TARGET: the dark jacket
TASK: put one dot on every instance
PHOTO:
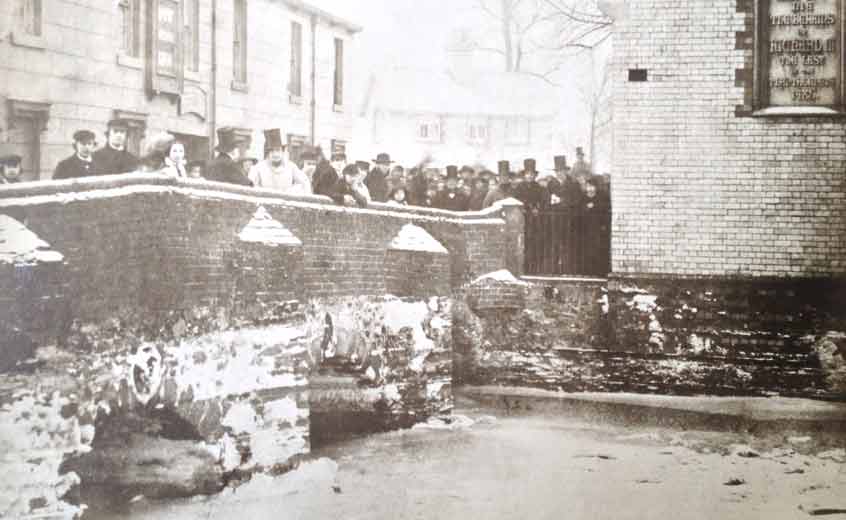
(453, 200)
(324, 179)
(477, 200)
(224, 169)
(531, 194)
(73, 167)
(377, 184)
(108, 161)
(498, 193)
(340, 189)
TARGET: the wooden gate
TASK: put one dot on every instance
(568, 240)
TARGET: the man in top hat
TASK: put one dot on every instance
(10, 169)
(113, 157)
(277, 171)
(503, 189)
(480, 190)
(81, 163)
(530, 193)
(568, 190)
(581, 168)
(377, 178)
(451, 198)
(225, 167)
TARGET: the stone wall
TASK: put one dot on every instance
(201, 313)
(700, 187)
(663, 336)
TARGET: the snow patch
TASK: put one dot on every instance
(19, 245)
(264, 229)
(415, 238)
(503, 275)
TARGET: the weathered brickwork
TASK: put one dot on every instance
(163, 245)
(699, 188)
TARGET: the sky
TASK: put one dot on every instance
(415, 34)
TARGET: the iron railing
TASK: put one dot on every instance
(568, 240)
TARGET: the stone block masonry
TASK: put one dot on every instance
(237, 324)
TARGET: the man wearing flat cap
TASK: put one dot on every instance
(225, 167)
(377, 178)
(81, 163)
(10, 169)
(277, 171)
(113, 157)
(328, 173)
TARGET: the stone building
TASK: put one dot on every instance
(459, 120)
(183, 66)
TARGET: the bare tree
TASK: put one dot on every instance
(596, 94)
(537, 37)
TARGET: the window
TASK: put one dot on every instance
(130, 15)
(339, 72)
(239, 42)
(296, 83)
(28, 17)
(296, 144)
(429, 131)
(799, 61)
(477, 132)
(27, 121)
(339, 146)
(517, 130)
(191, 35)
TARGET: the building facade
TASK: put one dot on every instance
(182, 66)
(730, 151)
(415, 114)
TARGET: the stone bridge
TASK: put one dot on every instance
(244, 327)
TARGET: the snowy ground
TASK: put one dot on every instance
(538, 466)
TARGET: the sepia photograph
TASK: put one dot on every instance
(422, 259)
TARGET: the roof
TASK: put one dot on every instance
(482, 94)
(311, 7)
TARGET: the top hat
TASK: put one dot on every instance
(560, 162)
(227, 138)
(273, 139)
(468, 169)
(452, 171)
(382, 158)
(84, 136)
(117, 123)
(503, 167)
(11, 159)
(529, 165)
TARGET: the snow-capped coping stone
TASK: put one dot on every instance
(503, 276)
(415, 238)
(264, 229)
(19, 245)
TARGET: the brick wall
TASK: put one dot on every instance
(698, 189)
(152, 245)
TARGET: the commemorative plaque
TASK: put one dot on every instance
(804, 53)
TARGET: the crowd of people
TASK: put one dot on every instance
(468, 188)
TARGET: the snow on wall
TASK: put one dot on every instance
(264, 229)
(19, 245)
(415, 238)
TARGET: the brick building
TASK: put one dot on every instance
(719, 169)
(183, 66)
(729, 167)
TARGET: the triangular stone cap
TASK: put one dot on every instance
(415, 238)
(502, 276)
(264, 229)
(19, 245)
